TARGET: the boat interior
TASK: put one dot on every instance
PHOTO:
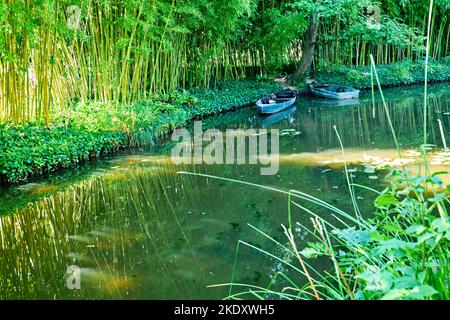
(278, 97)
(335, 88)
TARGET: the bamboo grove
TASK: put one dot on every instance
(387, 40)
(56, 53)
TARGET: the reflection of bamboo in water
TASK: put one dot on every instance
(310, 128)
(38, 243)
(355, 123)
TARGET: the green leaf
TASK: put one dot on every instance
(376, 236)
(314, 249)
(406, 282)
(425, 237)
(310, 253)
(415, 229)
(355, 236)
(441, 225)
(395, 294)
(385, 200)
(422, 292)
(392, 244)
(439, 172)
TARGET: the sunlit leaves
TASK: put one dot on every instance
(385, 200)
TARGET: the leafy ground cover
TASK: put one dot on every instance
(395, 74)
(91, 129)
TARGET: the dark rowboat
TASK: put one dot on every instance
(276, 102)
(334, 92)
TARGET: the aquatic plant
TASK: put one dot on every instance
(402, 252)
(399, 253)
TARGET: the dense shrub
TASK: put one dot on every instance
(90, 129)
(229, 94)
(402, 252)
(34, 149)
(395, 74)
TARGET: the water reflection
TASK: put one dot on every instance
(137, 229)
(277, 117)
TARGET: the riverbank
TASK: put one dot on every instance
(129, 200)
(390, 75)
(89, 130)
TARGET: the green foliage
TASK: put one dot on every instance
(119, 51)
(277, 30)
(230, 94)
(404, 254)
(401, 251)
(32, 149)
(125, 51)
(395, 74)
(90, 129)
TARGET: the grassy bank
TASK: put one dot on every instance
(88, 130)
(395, 74)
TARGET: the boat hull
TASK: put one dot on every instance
(334, 102)
(274, 107)
(324, 93)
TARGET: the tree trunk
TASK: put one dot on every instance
(309, 42)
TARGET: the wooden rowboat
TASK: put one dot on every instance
(276, 102)
(334, 92)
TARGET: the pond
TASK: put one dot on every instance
(137, 228)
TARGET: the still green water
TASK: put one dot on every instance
(138, 229)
